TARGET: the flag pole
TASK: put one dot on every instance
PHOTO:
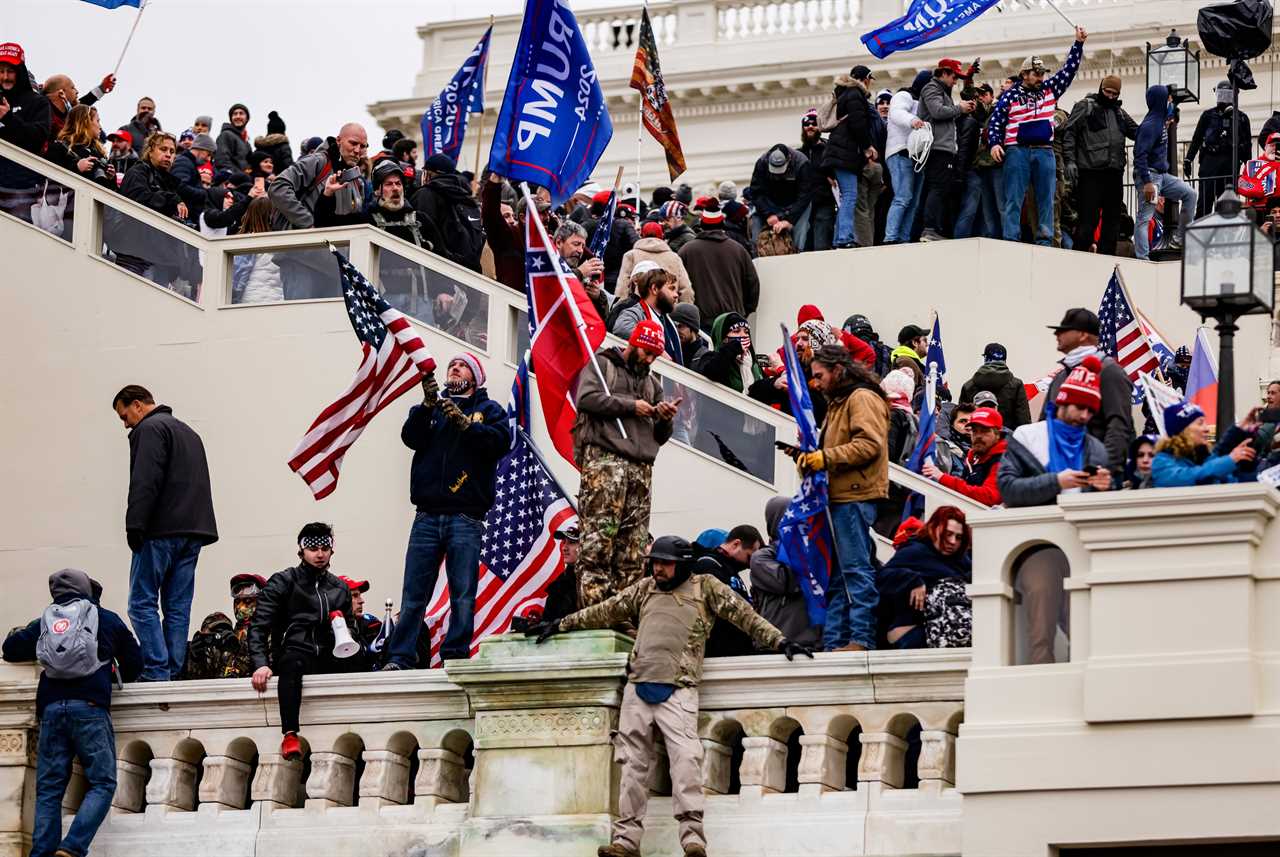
(484, 87)
(1070, 23)
(1137, 312)
(141, 8)
(531, 208)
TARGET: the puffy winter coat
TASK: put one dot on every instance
(1010, 392)
(233, 149)
(1024, 481)
(1095, 134)
(723, 276)
(28, 123)
(453, 471)
(849, 140)
(297, 195)
(659, 251)
(293, 614)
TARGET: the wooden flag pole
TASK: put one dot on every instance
(484, 87)
(142, 8)
(617, 180)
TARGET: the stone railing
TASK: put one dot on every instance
(762, 19)
(510, 753)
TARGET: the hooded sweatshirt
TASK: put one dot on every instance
(1151, 149)
(725, 363)
(902, 112)
(27, 125)
(115, 643)
(774, 589)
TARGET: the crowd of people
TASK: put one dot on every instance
(676, 280)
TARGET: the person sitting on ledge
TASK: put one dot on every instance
(294, 621)
(1183, 458)
(674, 610)
(922, 598)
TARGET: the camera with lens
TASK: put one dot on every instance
(101, 167)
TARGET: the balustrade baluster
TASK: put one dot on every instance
(277, 781)
(224, 782)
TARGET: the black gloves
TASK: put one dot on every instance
(791, 649)
(454, 415)
(546, 630)
(134, 538)
(430, 390)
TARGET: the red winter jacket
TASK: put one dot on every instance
(981, 484)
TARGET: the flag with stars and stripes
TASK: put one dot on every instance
(393, 360)
(600, 238)
(1121, 336)
(805, 538)
(519, 554)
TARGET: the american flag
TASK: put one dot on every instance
(518, 555)
(805, 540)
(389, 366)
(565, 327)
(1121, 335)
(600, 238)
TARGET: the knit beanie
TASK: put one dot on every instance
(473, 363)
(234, 107)
(727, 191)
(652, 229)
(1111, 81)
(807, 312)
(647, 334)
(711, 213)
(1179, 415)
(275, 125)
(1082, 387)
(819, 333)
(899, 386)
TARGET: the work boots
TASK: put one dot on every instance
(695, 851)
(615, 850)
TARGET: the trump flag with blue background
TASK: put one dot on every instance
(805, 538)
(925, 21)
(444, 124)
(553, 126)
(115, 4)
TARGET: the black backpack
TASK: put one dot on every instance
(463, 235)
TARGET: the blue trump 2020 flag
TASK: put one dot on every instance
(115, 4)
(444, 124)
(805, 543)
(925, 21)
(553, 126)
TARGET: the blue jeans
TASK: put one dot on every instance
(848, 182)
(71, 729)
(455, 539)
(162, 576)
(981, 194)
(851, 603)
(1025, 165)
(1170, 188)
(906, 198)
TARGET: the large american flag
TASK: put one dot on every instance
(1121, 335)
(389, 366)
(519, 557)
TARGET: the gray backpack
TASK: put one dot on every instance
(68, 644)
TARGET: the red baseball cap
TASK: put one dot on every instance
(121, 135)
(354, 585)
(11, 54)
(647, 334)
(988, 417)
(601, 197)
(950, 65)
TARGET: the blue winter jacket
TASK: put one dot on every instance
(454, 471)
(1171, 471)
(1151, 148)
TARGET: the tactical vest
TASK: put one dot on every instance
(409, 222)
(666, 620)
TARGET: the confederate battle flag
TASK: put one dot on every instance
(655, 109)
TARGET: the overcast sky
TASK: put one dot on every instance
(316, 62)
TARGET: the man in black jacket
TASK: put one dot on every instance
(1112, 423)
(822, 214)
(446, 202)
(783, 184)
(75, 722)
(292, 626)
(1094, 157)
(725, 563)
(169, 519)
(457, 441)
(1212, 142)
(24, 113)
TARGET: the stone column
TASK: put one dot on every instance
(716, 761)
(225, 782)
(822, 764)
(545, 784)
(131, 787)
(332, 780)
(172, 785)
(442, 778)
(764, 766)
(17, 789)
(277, 782)
(386, 778)
(881, 759)
(937, 766)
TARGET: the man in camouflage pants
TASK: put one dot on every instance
(674, 610)
(621, 423)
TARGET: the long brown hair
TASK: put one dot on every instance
(78, 129)
(257, 217)
(937, 524)
(153, 143)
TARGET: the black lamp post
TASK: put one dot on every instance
(1176, 66)
(1228, 271)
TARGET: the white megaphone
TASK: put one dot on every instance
(344, 646)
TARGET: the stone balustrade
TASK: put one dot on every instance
(511, 753)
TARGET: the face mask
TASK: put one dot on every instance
(244, 609)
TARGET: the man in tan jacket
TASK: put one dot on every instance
(855, 454)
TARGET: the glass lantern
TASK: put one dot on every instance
(1175, 65)
(1228, 264)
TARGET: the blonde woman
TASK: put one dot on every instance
(1184, 458)
(77, 147)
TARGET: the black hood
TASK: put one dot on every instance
(451, 186)
(69, 583)
(21, 86)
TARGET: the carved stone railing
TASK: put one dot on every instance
(510, 753)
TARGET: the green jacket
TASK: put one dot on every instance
(715, 600)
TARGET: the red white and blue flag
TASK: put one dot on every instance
(600, 238)
(1121, 335)
(1202, 378)
(805, 539)
(565, 331)
(519, 555)
(393, 360)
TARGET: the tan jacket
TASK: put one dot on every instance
(655, 250)
(855, 444)
(600, 406)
